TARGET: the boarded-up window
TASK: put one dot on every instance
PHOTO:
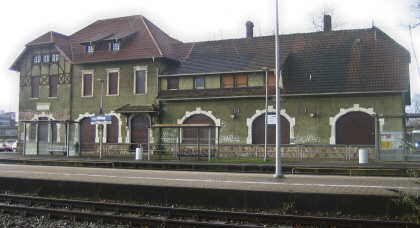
(241, 80)
(173, 83)
(271, 79)
(53, 85)
(113, 83)
(35, 87)
(198, 135)
(87, 85)
(228, 81)
(140, 82)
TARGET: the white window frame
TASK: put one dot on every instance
(116, 47)
(55, 57)
(108, 71)
(139, 68)
(89, 50)
(37, 59)
(45, 58)
(83, 81)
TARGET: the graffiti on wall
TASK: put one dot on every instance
(229, 139)
(169, 136)
(307, 139)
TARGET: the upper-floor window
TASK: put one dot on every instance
(234, 80)
(87, 83)
(115, 46)
(46, 58)
(55, 57)
(37, 58)
(113, 81)
(35, 87)
(199, 82)
(140, 79)
(89, 48)
(173, 83)
(53, 85)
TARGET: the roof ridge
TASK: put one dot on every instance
(151, 35)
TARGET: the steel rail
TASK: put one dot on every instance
(170, 212)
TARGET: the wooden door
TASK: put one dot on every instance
(87, 134)
(357, 128)
(139, 131)
(258, 131)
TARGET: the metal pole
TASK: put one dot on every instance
(209, 144)
(266, 113)
(278, 173)
(101, 126)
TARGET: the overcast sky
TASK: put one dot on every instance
(191, 20)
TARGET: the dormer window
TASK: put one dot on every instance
(115, 46)
(89, 48)
(37, 58)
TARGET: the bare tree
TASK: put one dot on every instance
(415, 10)
(317, 18)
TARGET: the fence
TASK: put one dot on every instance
(288, 151)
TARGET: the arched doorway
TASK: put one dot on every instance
(355, 128)
(139, 131)
(189, 135)
(258, 131)
(87, 134)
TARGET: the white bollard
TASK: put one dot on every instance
(363, 156)
(139, 153)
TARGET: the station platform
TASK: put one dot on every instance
(172, 182)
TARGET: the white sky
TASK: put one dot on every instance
(190, 20)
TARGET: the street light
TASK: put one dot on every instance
(266, 111)
(101, 112)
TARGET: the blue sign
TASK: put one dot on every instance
(100, 119)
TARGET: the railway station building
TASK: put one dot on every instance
(334, 82)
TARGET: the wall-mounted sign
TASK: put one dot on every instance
(100, 120)
(271, 119)
(43, 106)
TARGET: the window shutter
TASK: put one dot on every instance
(140, 82)
(228, 81)
(173, 83)
(87, 85)
(35, 87)
(53, 85)
(242, 80)
(113, 83)
(271, 79)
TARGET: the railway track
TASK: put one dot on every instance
(171, 217)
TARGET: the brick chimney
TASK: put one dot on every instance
(249, 30)
(327, 23)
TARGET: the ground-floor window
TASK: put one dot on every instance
(192, 135)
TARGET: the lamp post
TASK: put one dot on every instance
(101, 112)
(266, 112)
